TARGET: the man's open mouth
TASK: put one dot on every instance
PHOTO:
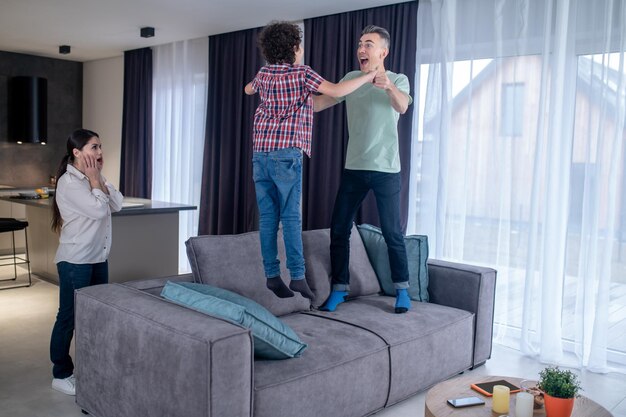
(363, 61)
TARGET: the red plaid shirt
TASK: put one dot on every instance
(285, 116)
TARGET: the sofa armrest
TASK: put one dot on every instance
(470, 288)
(155, 285)
(140, 355)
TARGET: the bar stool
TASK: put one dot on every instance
(13, 225)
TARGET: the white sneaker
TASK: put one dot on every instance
(66, 385)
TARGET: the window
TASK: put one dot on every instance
(512, 109)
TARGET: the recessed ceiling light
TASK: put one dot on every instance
(147, 32)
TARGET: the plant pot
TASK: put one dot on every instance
(558, 407)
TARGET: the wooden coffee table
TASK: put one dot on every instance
(437, 400)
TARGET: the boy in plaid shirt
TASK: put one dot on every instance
(282, 132)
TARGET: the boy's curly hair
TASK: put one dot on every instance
(277, 42)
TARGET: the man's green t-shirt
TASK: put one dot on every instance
(373, 126)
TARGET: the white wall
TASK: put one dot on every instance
(103, 96)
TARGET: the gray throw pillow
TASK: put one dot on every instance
(417, 255)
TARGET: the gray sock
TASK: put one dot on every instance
(278, 287)
(302, 287)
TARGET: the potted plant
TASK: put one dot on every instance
(559, 389)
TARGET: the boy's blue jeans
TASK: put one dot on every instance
(354, 187)
(278, 184)
(71, 277)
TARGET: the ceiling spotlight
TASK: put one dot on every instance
(147, 32)
(64, 49)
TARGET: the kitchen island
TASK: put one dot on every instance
(145, 238)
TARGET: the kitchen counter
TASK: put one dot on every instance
(131, 206)
(8, 190)
(144, 238)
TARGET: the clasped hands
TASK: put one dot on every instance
(381, 80)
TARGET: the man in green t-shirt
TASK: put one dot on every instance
(372, 163)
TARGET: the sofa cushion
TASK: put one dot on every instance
(272, 338)
(417, 255)
(427, 344)
(316, 244)
(344, 372)
(233, 262)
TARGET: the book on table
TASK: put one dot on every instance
(486, 388)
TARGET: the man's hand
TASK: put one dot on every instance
(399, 100)
(382, 81)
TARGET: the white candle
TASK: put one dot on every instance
(501, 399)
(524, 403)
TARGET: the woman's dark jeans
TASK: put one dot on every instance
(354, 187)
(71, 278)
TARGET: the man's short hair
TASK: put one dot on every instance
(382, 32)
(278, 41)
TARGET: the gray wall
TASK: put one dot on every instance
(33, 164)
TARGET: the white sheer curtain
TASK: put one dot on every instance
(519, 164)
(180, 81)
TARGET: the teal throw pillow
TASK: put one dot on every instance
(417, 255)
(273, 339)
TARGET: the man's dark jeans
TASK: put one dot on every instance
(353, 188)
(71, 277)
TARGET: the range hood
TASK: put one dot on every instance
(28, 110)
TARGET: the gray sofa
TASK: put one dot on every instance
(138, 354)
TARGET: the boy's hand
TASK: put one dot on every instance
(248, 89)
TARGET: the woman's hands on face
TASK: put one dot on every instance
(92, 170)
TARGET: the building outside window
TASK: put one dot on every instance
(512, 109)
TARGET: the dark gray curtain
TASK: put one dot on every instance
(136, 161)
(228, 202)
(330, 49)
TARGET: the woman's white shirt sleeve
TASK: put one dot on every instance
(115, 197)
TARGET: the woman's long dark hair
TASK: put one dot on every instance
(77, 140)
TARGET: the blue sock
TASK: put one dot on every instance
(335, 298)
(403, 302)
